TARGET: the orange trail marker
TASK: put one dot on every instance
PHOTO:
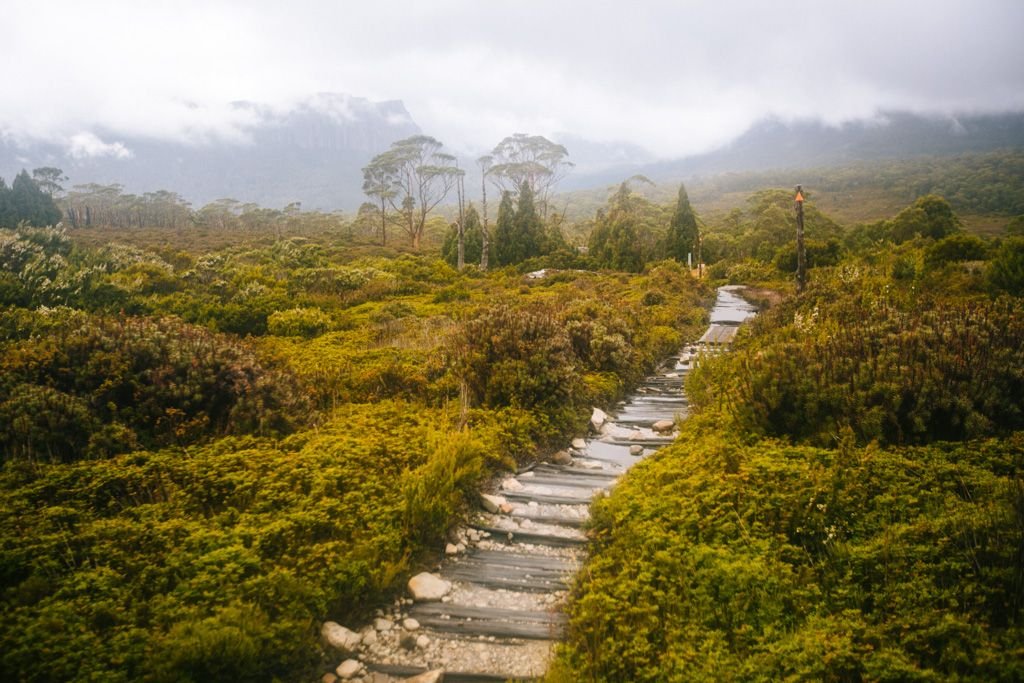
(799, 196)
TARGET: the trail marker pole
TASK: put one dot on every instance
(801, 256)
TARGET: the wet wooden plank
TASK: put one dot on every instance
(524, 560)
(436, 609)
(527, 537)
(719, 334)
(547, 498)
(403, 671)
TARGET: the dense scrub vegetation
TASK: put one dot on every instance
(209, 448)
(205, 455)
(846, 501)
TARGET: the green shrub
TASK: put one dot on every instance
(299, 322)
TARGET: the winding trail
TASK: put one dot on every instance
(510, 568)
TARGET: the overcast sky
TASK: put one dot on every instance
(675, 77)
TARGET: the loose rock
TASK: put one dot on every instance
(636, 449)
(561, 458)
(512, 484)
(382, 624)
(410, 624)
(579, 444)
(663, 426)
(343, 640)
(451, 549)
(434, 676)
(598, 418)
(426, 587)
(348, 669)
(329, 677)
(491, 502)
(422, 642)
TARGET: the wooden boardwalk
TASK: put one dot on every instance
(503, 615)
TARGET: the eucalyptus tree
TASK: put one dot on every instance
(530, 159)
(412, 177)
(377, 185)
(49, 179)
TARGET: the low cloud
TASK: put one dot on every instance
(87, 145)
(675, 78)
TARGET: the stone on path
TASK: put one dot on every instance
(348, 669)
(579, 444)
(561, 458)
(492, 503)
(598, 418)
(434, 676)
(410, 624)
(663, 426)
(343, 640)
(382, 624)
(512, 484)
(426, 587)
(451, 549)
(636, 449)
(329, 677)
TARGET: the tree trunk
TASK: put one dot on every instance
(487, 231)
(460, 192)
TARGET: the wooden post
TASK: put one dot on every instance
(801, 256)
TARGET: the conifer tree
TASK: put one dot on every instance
(681, 238)
(504, 232)
(528, 229)
(473, 239)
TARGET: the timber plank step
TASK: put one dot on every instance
(527, 537)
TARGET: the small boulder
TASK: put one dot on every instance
(410, 624)
(343, 640)
(422, 642)
(663, 426)
(434, 676)
(348, 669)
(382, 624)
(451, 549)
(636, 449)
(491, 503)
(579, 444)
(329, 677)
(370, 638)
(507, 508)
(598, 418)
(427, 587)
(512, 484)
(562, 458)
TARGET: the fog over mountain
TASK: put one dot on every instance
(314, 153)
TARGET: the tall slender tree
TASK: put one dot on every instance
(504, 231)
(528, 231)
(532, 159)
(418, 176)
(682, 234)
(485, 162)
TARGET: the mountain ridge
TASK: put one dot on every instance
(313, 152)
